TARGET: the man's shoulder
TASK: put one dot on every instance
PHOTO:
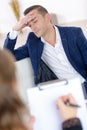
(73, 28)
(32, 36)
(69, 30)
(32, 39)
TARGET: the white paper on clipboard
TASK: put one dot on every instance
(42, 103)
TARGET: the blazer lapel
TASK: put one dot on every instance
(64, 42)
(66, 45)
(35, 51)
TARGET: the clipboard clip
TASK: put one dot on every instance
(52, 83)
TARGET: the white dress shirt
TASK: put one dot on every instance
(57, 60)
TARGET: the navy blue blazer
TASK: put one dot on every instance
(73, 41)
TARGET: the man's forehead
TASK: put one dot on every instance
(33, 12)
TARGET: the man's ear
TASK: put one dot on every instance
(31, 123)
(48, 17)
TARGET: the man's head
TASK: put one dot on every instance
(7, 68)
(38, 19)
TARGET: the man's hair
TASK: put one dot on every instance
(39, 8)
(7, 68)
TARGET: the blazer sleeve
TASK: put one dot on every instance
(72, 124)
(19, 53)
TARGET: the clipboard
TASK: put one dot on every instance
(42, 103)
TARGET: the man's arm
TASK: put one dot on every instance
(10, 41)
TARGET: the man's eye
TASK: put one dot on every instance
(29, 25)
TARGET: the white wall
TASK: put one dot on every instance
(66, 10)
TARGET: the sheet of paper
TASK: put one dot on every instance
(43, 104)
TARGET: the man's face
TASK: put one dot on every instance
(38, 23)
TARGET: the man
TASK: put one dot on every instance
(55, 52)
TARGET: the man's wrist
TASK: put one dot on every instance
(13, 34)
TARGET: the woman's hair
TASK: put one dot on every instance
(7, 68)
(13, 112)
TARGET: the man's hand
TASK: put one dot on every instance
(24, 22)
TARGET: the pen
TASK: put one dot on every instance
(72, 105)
